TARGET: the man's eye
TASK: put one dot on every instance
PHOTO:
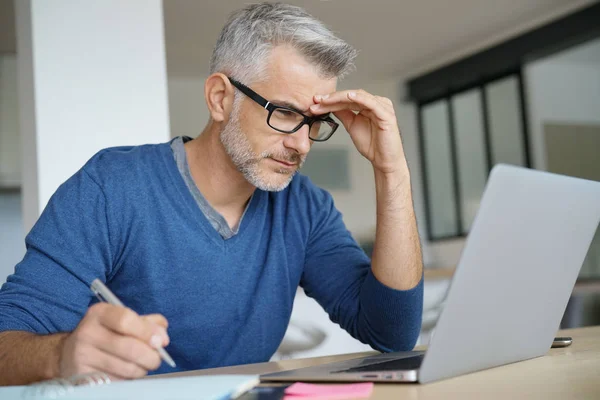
(286, 112)
(281, 113)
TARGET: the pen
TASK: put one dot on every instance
(104, 294)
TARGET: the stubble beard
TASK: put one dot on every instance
(239, 149)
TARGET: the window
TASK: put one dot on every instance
(472, 158)
(462, 136)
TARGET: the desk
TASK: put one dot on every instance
(582, 286)
(569, 373)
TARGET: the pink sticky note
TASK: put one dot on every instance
(306, 391)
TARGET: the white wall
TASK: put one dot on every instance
(564, 87)
(93, 75)
(187, 106)
(78, 93)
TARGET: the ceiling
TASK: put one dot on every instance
(401, 38)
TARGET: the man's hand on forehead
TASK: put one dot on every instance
(371, 122)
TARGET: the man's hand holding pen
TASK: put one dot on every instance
(114, 340)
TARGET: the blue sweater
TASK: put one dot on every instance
(128, 218)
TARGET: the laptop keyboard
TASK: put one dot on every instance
(400, 364)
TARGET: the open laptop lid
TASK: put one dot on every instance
(518, 268)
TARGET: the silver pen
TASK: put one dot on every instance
(104, 294)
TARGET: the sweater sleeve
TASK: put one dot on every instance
(337, 274)
(68, 247)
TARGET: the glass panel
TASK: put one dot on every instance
(506, 125)
(471, 154)
(440, 184)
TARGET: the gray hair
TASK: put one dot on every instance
(247, 38)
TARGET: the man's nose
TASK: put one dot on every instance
(298, 140)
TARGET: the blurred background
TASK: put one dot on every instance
(474, 83)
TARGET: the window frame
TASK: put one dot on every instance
(455, 173)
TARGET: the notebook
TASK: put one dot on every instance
(96, 387)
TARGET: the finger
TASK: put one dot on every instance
(356, 100)
(162, 322)
(162, 325)
(115, 366)
(351, 119)
(157, 319)
(319, 109)
(386, 103)
(126, 322)
(369, 114)
(346, 117)
(128, 349)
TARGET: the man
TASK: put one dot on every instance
(215, 234)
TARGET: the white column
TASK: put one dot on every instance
(92, 74)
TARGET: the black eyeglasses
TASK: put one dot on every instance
(288, 120)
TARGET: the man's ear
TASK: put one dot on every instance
(219, 95)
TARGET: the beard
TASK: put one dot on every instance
(239, 149)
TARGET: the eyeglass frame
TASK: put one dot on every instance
(270, 107)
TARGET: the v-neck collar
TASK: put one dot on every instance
(218, 222)
(178, 181)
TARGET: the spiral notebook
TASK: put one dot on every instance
(99, 386)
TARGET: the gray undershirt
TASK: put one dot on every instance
(216, 220)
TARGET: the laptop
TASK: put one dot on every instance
(510, 289)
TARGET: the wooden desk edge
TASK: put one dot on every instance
(578, 334)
